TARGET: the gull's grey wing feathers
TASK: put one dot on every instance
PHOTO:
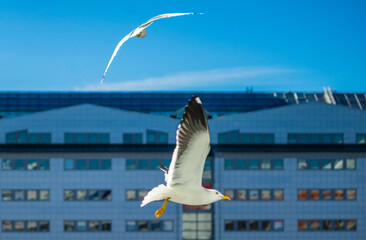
(137, 31)
(193, 145)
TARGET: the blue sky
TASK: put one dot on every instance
(268, 45)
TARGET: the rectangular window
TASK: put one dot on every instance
(278, 225)
(314, 225)
(351, 194)
(351, 164)
(253, 195)
(156, 137)
(361, 138)
(229, 225)
(7, 164)
(265, 164)
(241, 194)
(314, 195)
(316, 138)
(229, 164)
(229, 193)
(327, 225)
(302, 194)
(326, 194)
(130, 195)
(86, 138)
(278, 194)
(278, 164)
(302, 225)
(132, 138)
(253, 164)
(266, 195)
(302, 164)
(7, 195)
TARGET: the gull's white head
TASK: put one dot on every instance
(142, 34)
(216, 195)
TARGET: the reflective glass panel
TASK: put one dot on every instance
(6, 195)
(229, 164)
(278, 164)
(7, 164)
(44, 226)
(156, 226)
(253, 225)
(19, 226)
(106, 164)
(326, 194)
(19, 164)
(278, 225)
(229, 225)
(265, 164)
(131, 226)
(44, 164)
(32, 226)
(131, 164)
(266, 225)
(302, 164)
(326, 164)
(351, 225)
(31, 164)
(142, 194)
(351, 194)
(81, 195)
(314, 194)
(242, 225)
(19, 195)
(241, 194)
(106, 226)
(69, 226)
(278, 194)
(253, 164)
(93, 164)
(143, 164)
(253, 195)
(338, 164)
(302, 225)
(80, 164)
(44, 195)
(32, 195)
(106, 194)
(69, 164)
(131, 194)
(350, 163)
(93, 195)
(314, 225)
(167, 225)
(339, 224)
(6, 226)
(327, 225)
(266, 194)
(339, 194)
(241, 164)
(93, 226)
(69, 195)
(302, 194)
(81, 226)
(314, 164)
(104, 138)
(229, 193)
(142, 226)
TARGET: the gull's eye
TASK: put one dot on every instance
(217, 193)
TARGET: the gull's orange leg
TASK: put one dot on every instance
(161, 211)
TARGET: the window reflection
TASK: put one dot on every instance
(302, 194)
(81, 226)
(131, 194)
(266, 226)
(241, 194)
(242, 225)
(338, 194)
(142, 226)
(266, 195)
(278, 194)
(229, 225)
(81, 195)
(339, 224)
(93, 226)
(6, 226)
(253, 225)
(31, 164)
(253, 195)
(241, 164)
(314, 194)
(19, 195)
(326, 164)
(302, 164)
(327, 225)
(326, 194)
(32, 195)
(265, 164)
(253, 164)
(229, 164)
(278, 225)
(351, 194)
(351, 225)
(338, 164)
(142, 194)
(19, 226)
(314, 225)
(6, 195)
(230, 193)
(302, 225)
(350, 164)
(68, 195)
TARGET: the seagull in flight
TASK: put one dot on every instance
(140, 32)
(184, 176)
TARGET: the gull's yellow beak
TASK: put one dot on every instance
(226, 198)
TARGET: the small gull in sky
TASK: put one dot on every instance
(140, 32)
(184, 176)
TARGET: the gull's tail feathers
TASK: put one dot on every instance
(156, 194)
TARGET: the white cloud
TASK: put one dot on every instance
(217, 79)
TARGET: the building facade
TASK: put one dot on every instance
(294, 169)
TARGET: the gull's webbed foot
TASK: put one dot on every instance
(161, 210)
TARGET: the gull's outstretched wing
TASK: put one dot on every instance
(193, 145)
(137, 31)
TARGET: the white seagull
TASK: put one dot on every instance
(140, 32)
(184, 176)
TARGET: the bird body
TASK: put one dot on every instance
(184, 176)
(140, 32)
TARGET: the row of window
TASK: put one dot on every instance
(315, 138)
(149, 225)
(254, 194)
(157, 137)
(254, 225)
(88, 226)
(24, 137)
(25, 226)
(87, 195)
(31, 164)
(235, 137)
(87, 164)
(326, 164)
(146, 164)
(253, 164)
(326, 194)
(167, 225)
(326, 225)
(25, 195)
